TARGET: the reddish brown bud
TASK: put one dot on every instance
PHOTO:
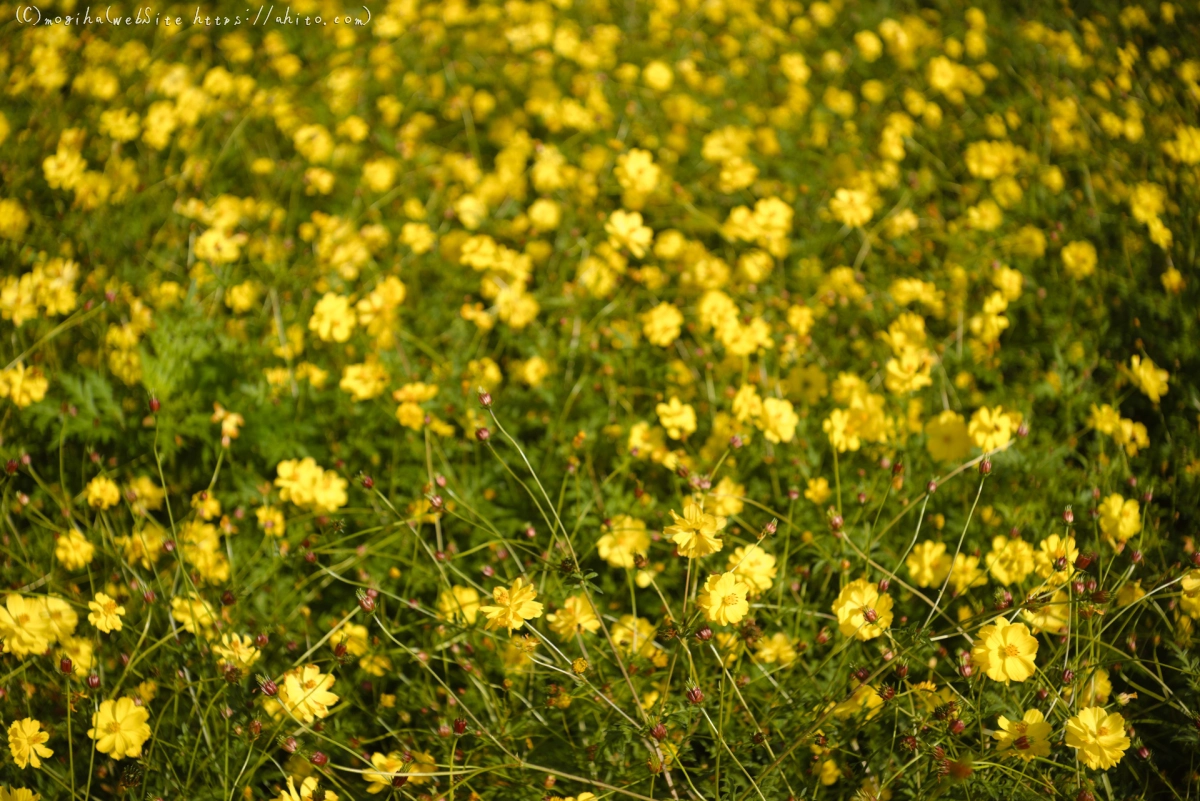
(695, 695)
(268, 687)
(985, 467)
(485, 399)
(659, 732)
(460, 726)
(482, 434)
(957, 726)
(319, 758)
(65, 665)
(93, 681)
(366, 603)
(704, 634)
(155, 405)
(368, 482)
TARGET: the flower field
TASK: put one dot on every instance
(579, 400)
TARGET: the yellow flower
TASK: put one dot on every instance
(18, 794)
(1055, 558)
(817, 490)
(364, 381)
(776, 649)
(1079, 259)
(1010, 560)
(195, 614)
(236, 650)
(1026, 738)
(965, 573)
(862, 611)
(1005, 651)
(1098, 737)
(626, 538)
(332, 319)
(679, 419)
(271, 520)
(514, 605)
(928, 564)
(23, 386)
(661, 325)
(24, 625)
(755, 566)
(73, 550)
(305, 793)
(106, 614)
(459, 603)
(386, 767)
(303, 694)
(120, 728)
(26, 741)
(723, 599)
(695, 533)
(102, 493)
(778, 420)
(852, 207)
(947, 437)
(1120, 518)
(991, 428)
(576, 616)
(1151, 380)
(625, 230)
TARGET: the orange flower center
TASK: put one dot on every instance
(110, 607)
(732, 599)
(1011, 650)
(1101, 731)
(114, 727)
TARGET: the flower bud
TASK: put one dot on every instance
(870, 615)
(1068, 676)
(1143, 753)
(290, 745)
(319, 758)
(444, 730)
(736, 442)
(155, 405)
(368, 482)
(65, 665)
(399, 780)
(1068, 515)
(695, 696)
(704, 634)
(886, 693)
(836, 521)
(460, 726)
(1023, 430)
(228, 598)
(268, 687)
(10, 466)
(261, 640)
(482, 434)
(659, 732)
(93, 681)
(1084, 561)
(485, 399)
(884, 584)
(985, 467)
(901, 671)
(957, 726)
(367, 603)
(931, 487)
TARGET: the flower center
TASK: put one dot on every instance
(110, 607)
(22, 619)
(1011, 650)
(308, 685)
(1101, 731)
(114, 727)
(732, 599)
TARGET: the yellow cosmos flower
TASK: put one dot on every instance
(1026, 738)
(862, 611)
(120, 728)
(514, 605)
(1098, 737)
(695, 533)
(106, 613)
(1005, 652)
(1120, 517)
(575, 616)
(723, 598)
(459, 603)
(26, 741)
